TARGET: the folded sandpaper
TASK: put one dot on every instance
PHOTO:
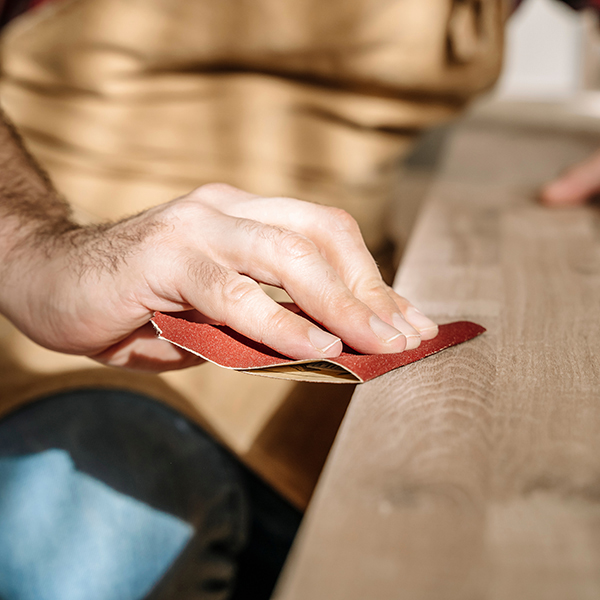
(227, 348)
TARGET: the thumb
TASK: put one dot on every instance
(143, 351)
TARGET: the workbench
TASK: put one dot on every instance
(475, 473)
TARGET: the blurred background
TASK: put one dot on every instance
(551, 55)
(550, 78)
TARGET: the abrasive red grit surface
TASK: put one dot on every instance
(227, 348)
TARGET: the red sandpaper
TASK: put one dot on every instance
(227, 348)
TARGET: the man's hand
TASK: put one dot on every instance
(92, 290)
(575, 187)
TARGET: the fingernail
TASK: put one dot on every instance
(322, 340)
(424, 324)
(413, 337)
(383, 331)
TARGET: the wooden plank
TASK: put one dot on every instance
(476, 473)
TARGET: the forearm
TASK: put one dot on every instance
(31, 211)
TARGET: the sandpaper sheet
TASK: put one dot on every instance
(227, 348)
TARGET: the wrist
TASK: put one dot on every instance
(27, 251)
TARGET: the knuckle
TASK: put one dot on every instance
(278, 321)
(217, 189)
(341, 220)
(238, 289)
(184, 211)
(272, 324)
(371, 287)
(295, 246)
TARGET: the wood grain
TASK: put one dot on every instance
(475, 474)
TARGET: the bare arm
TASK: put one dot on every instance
(92, 290)
(29, 205)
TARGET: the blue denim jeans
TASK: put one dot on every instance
(108, 495)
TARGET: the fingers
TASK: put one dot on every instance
(290, 260)
(427, 328)
(346, 250)
(576, 186)
(240, 303)
(338, 238)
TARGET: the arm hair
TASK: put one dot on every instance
(34, 217)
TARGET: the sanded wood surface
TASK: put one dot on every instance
(475, 474)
